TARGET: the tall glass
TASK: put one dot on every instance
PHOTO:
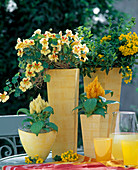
(123, 127)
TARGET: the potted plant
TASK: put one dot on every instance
(95, 120)
(37, 134)
(54, 56)
(111, 57)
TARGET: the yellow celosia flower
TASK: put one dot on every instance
(38, 105)
(37, 67)
(95, 89)
(4, 97)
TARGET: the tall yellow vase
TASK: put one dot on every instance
(92, 127)
(63, 95)
(112, 81)
(37, 145)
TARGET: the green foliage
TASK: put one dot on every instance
(38, 121)
(31, 15)
(117, 48)
(94, 105)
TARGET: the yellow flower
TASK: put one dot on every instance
(4, 97)
(45, 50)
(76, 49)
(37, 66)
(30, 73)
(39, 161)
(22, 88)
(30, 67)
(68, 32)
(105, 38)
(44, 42)
(26, 83)
(83, 57)
(20, 52)
(38, 31)
(53, 57)
(64, 39)
(95, 89)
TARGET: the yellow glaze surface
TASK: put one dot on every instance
(37, 145)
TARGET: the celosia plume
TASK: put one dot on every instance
(94, 89)
(37, 105)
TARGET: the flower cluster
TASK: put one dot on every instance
(42, 52)
(117, 48)
(93, 101)
(131, 44)
(38, 105)
(69, 156)
(38, 114)
(105, 38)
(36, 159)
(94, 89)
(128, 76)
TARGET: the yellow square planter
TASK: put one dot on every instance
(63, 95)
(92, 127)
(112, 81)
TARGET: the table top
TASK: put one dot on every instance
(20, 159)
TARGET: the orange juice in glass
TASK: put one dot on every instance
(103, 148)
(116, 143)
(130, 152)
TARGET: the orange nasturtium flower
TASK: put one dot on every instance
(94, 89)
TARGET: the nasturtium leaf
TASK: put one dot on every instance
(6, 88)
(57, 36)
(45, 65)
(47, 78)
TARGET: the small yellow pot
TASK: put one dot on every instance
(37, 145)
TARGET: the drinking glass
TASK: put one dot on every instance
(103, 149)
(130, 152)
(123, 127)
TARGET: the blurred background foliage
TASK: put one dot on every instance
(20, 18)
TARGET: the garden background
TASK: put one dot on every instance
(20, 18)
